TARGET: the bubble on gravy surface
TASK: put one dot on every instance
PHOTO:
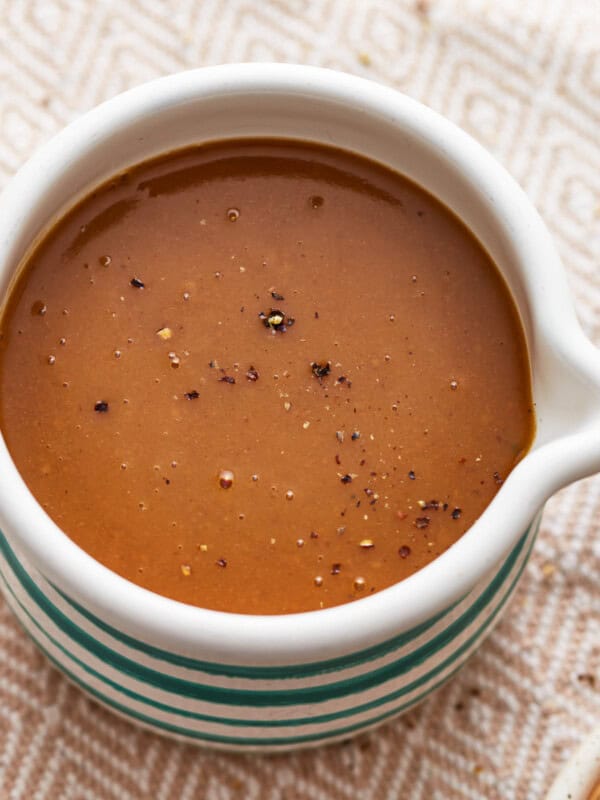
(263, 376)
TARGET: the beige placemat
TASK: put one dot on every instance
(522, 76)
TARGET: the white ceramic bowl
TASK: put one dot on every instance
(286, 681)
(579, 779)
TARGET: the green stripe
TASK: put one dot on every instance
(263, 698)
(286, 672)
(281, 723)
(297, 722)
(234, 740)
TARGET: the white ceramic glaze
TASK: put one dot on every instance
(581, 773)
(333, 108)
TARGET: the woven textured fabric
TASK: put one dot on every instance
(524, 79)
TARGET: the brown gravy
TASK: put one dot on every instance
(207, 447)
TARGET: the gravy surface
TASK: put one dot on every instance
(263, 376)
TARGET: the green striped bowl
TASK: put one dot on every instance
(283, 681)
(241, 705)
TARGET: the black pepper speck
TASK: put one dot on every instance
(320, 368)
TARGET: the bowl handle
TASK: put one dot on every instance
(568, 441)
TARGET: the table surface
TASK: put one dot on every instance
(524, 79)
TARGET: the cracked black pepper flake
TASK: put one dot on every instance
(422, 522)
(252, 374)
(404, 551)
(497, 478)
(227, 379)
(193, 395)
(355, 435)
(221, 562)
(432, 504)
(101, 406)
(137, 283)
(336, 569)
(346, 478)
(277, 296)
(320, 368)
(275, 320)
(412, 475)
(456, 513)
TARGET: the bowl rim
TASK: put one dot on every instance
(581, 772)
(314, 635)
